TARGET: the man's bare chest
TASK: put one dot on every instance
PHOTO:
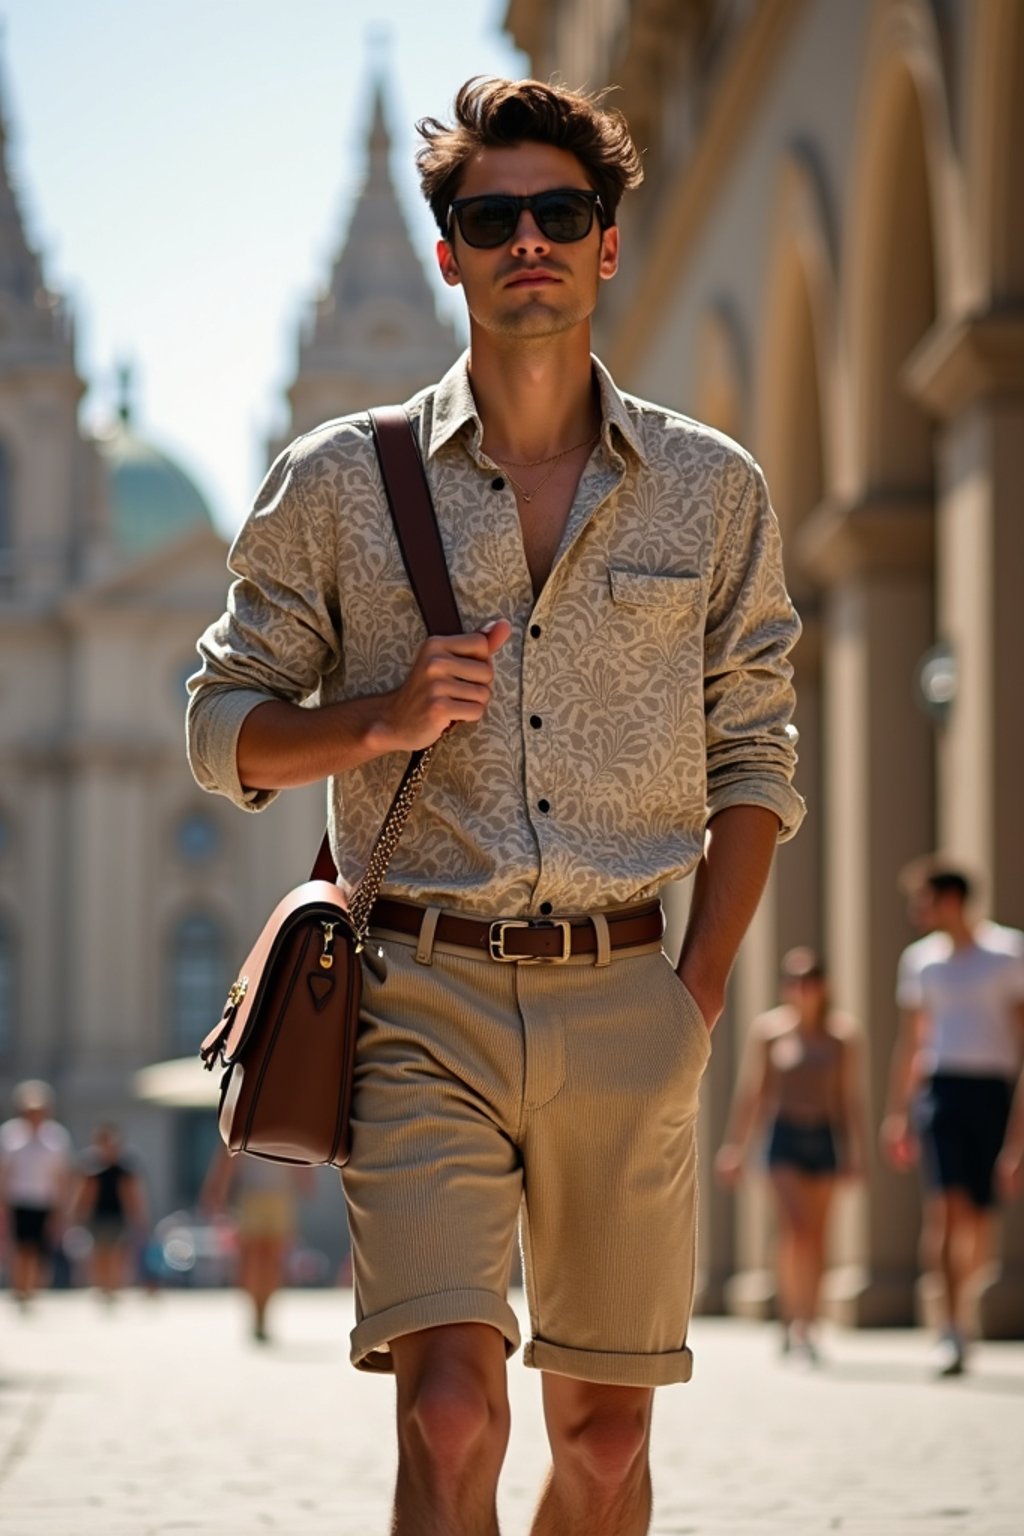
(543, 516)
(541, 531)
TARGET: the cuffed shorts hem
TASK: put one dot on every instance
(615, 1370)
(370, 1336)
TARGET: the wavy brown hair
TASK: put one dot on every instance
(492, 113)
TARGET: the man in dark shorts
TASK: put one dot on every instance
(35, 1170)
(957, 1058)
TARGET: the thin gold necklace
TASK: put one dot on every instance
(553, 460)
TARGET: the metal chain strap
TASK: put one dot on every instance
(368, 889)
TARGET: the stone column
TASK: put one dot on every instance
(874, 558)
(799, 918)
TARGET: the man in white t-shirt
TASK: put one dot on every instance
(954, 1069)
(35, 1173)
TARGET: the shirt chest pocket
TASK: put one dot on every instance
(655, 598)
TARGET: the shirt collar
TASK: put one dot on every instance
(454, 406)
(615, 412)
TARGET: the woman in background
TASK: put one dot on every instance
(263, 1195)
(110, 1201)
(800, 1081)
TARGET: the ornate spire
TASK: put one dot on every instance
(28, 311)
(378, 142)
(374, 336)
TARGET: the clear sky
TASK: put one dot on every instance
(187, 167)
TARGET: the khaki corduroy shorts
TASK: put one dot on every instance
(557, 1099)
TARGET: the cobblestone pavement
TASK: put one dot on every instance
(158, 1416)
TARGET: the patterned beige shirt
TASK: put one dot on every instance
(644, 690)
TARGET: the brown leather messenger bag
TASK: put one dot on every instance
(287, 1037)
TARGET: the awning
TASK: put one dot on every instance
(183, 1083)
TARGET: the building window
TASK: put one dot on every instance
(198, 980)
(6, 988)
(198, 837)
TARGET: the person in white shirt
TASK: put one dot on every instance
(954, 1069)
(35, 1182)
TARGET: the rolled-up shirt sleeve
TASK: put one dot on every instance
(748, 691)
(280, 634)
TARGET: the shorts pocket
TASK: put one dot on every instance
(698, 1026)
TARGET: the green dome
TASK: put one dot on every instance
(152, 499)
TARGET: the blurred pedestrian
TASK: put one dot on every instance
(111, 1202)
(263, 1198)
(951, 1082)
(35, 1185)
(800, 1081)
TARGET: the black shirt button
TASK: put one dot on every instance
(546, 909)
(535, 631)
(497, 484)
(544, 805)
(536, 722)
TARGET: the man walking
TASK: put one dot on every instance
(35, 1185)
(622, 689)
(958, 1054)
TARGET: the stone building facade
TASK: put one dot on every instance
(128, 897)
(826, 260)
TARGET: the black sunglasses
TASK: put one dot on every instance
(563, 215)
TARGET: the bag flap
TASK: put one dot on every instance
(317, 900)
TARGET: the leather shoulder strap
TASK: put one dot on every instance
(419, 539)
(412, 513)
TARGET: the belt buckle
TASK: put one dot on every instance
(496, 941)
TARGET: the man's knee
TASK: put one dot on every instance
(451, 1396)
(450, 1415)
(605, 1443)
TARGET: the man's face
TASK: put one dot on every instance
(530, 286)
(933, 911)
(804, 991)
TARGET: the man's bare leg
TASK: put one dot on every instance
(974, 1237)
(942, 1245)
(453, 1423)
(26, 1271)
(600, 1480)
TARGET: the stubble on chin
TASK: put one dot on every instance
(533, 321)
(534, 324)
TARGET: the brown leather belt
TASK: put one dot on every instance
(554, 939)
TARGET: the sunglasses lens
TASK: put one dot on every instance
(490, 221)
(564, 216)
(487, 221)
